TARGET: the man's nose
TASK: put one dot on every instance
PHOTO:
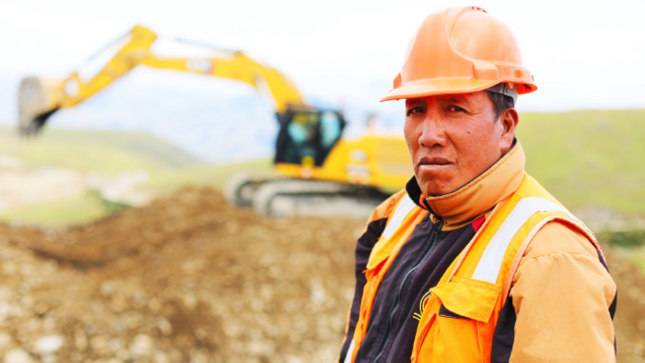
(433, 133)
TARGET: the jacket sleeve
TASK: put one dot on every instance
(365, 244)
(562, 294)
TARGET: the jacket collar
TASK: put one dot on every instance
(476, 197)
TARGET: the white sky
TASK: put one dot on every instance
(583, 54)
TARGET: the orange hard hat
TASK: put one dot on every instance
(462, 50)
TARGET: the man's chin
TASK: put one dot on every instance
(435, 181)
(434, 187)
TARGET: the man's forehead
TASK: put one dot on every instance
(458, 97)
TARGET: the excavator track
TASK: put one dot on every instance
(240, 188)
(293, 197)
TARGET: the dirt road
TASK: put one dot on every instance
(191, 279)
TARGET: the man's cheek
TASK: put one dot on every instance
(410, 140)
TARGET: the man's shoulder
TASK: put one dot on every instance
(565, 259)
(558, 238)
(385, 209)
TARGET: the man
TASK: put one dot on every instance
(474, 261)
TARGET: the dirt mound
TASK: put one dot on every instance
(186, 279)
(191, 279)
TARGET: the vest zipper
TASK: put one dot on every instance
(433, 241)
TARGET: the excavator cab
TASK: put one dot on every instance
(307, 136)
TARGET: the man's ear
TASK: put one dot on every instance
(509, 120)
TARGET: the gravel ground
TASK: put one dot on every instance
(191, 279)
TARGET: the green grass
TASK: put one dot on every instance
(103, 152)
(588, 159)
(630, 244)
(637, 257)
(625, 239)
(98, 151)
(89, 207)
(79, 209)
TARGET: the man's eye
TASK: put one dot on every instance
(453, 108)
(415, 111)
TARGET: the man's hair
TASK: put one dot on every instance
(501, 102)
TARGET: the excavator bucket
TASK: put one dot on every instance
(38, 99)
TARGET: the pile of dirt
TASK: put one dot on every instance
(192, 279)
(186, 279)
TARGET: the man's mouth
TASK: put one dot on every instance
(433, 163)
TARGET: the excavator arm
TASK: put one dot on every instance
(39, 98)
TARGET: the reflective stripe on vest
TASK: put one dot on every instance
(406, 205)
(350, 353)
(491, 261)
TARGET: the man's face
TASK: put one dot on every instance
(454, 138)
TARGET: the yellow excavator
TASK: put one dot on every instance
(312, 160)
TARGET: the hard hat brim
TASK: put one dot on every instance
(435, 87)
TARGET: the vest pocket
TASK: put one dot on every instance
(452, 338)
(445, 313)
(469, 298)
(464, 306)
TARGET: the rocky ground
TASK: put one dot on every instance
(191, 279)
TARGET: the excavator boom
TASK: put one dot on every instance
(39, 98)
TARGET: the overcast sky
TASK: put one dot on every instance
(583, 54)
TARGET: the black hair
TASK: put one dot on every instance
(501, 102)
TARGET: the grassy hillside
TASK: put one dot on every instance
(212, 175)
(100, 151)
(88, 207)
(83, 208)
(588, 158)
(107, 153)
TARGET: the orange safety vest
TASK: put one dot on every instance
(459, 317)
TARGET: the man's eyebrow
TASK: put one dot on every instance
(413, 101)
(456, 100)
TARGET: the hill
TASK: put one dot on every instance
(95, 151)
(88, 207)
(588, 159)
(47, 171)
